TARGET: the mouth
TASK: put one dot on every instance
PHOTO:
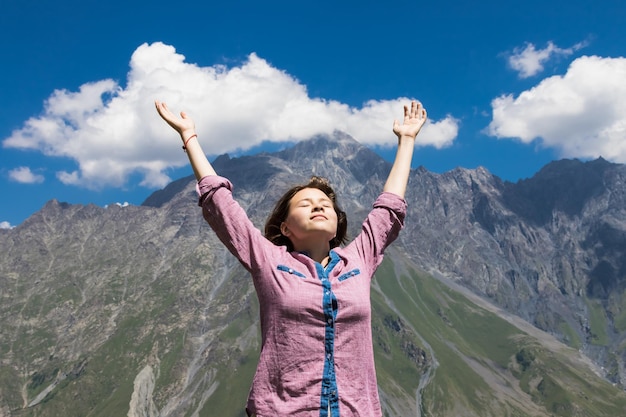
(319, 217)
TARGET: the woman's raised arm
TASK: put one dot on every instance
(414, 119)
(187, 131)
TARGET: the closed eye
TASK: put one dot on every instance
(308, 202)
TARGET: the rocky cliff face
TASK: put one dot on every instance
(550, 249)
(141, 309)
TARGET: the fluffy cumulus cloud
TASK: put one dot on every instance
(582, 114)
(5, 225)
(529, 61)
(25, 176)
(113, 131)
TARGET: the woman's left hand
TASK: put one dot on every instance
(414, 119)
(183, 124)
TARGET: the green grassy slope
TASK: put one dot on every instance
(479, 363)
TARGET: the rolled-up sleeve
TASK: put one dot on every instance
(381, 227)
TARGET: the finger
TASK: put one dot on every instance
(420, 111)
(161, 108)
(406, 112)
(418, 108)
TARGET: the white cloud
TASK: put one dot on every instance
(124, 204)
(112, 131)
(69, 178)
(5, 225)
(25, 176)
(581, 114)
(529, 61)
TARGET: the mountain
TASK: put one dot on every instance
(549, 249)
(498, 299)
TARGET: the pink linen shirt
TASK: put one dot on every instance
(317, 356)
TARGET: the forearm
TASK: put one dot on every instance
(198, 160)
(399, 175)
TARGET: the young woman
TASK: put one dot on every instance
(317, 357)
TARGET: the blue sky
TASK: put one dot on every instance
(508, 85)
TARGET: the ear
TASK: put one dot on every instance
(284, 229)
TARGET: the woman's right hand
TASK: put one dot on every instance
(183, 124)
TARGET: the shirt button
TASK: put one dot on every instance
(330, 321)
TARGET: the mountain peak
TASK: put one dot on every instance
(564, 185)
(326, 153)
(321, 144)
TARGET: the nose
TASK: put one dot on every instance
(318, 207)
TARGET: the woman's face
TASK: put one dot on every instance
(311, 216)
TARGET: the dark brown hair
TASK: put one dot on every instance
(281, 210)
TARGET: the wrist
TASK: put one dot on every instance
(187, 134)
(186, 141)
(406, 138)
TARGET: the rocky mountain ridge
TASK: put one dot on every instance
(91, 296)
(549, 248)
